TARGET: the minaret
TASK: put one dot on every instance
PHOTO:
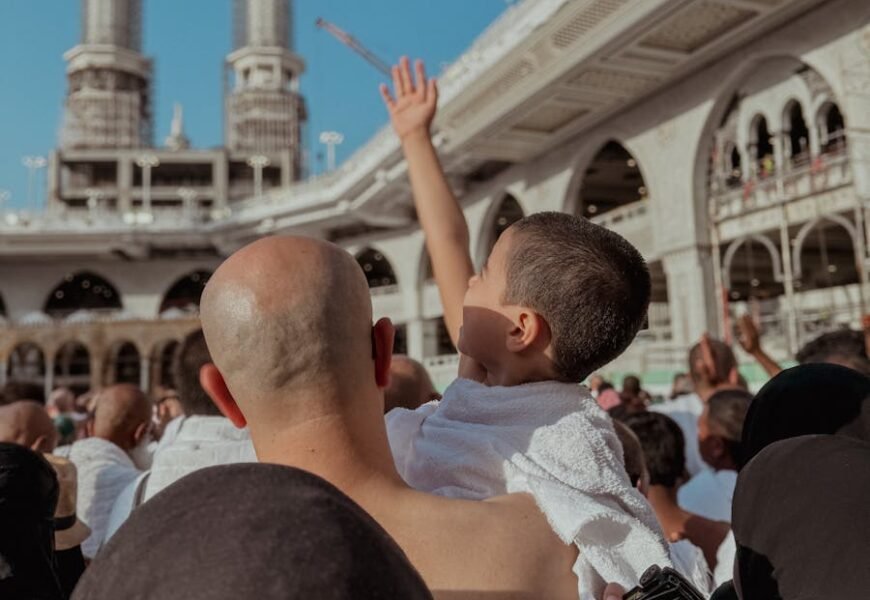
(108, 101)
(265, 111)
(177, 139)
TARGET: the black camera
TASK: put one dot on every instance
(663, 584)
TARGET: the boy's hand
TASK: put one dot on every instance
(413, 108)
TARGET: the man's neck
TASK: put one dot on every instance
(350, 453)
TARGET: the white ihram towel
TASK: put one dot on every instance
(549, 439)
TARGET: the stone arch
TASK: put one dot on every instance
(731, 252)
(185, 293)
(832, 128)
(823, 227)
(72, 366)
(612, 178)
(503, 213)
(796, 132)
(123, 364)
(26, 363)
(84, 290)
(162, 358)
(378, 270)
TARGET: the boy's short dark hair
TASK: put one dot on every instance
(589, 284)
(664, 447)
(727, 410)
(191, 354)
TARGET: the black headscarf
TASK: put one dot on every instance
(250, 531)
(801, 521)
(806, 400)
(28, 497)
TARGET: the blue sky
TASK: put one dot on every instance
(189, 38)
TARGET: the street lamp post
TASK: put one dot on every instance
(258, 162)
(33, 164)
(146, 162)
(331, 139)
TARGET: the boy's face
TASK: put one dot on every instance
(485, 319)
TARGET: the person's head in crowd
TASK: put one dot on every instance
(596, 380)
(681, 385)
(28, 499)
(410, 385)
(314, 356)
(302, 520)
(608, 398)
(815, 398)
(633, 398)
(846, 347)
(190, 356)
(167, 407)
(558, 298)
(27, 423)
(123, 417)
(800, 520)
(61, 401)
(632, 454)
(712, 366)
(720, 428)
(16, 391)
(663, 448)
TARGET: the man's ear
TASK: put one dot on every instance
(528, 329)
(383, 337)
(140, 432)
(214, 385)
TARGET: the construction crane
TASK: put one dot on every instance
(354, 44)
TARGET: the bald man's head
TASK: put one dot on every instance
(27, 423)
(122, 415)
(410, 385)
(286, 314)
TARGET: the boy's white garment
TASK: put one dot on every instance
(686, 410)
(725, 560)
(549, 439)
(709, 494)
(689, 561)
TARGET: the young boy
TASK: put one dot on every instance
(558, 298)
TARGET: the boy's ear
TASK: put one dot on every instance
(528, 329)
(214, 385)
(383, 337)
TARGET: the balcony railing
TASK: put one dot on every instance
(803, 179)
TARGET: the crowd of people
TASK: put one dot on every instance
(296, 457)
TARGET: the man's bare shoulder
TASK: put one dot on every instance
(502, 544)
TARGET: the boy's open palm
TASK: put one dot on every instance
(413, 108)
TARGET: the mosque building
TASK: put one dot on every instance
(729, 140)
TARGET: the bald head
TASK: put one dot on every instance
(28, 424)
(410, 385)
(122, 415)
(285, 314)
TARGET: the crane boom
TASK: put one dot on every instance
(354, 44)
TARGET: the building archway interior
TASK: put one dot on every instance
(779, 164)
(378, 271)
(184, 295)
(611, 181)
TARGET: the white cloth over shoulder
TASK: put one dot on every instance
(686, 410)
(709, 494)
(104, 470)
(689, 561)
(200, 442)
(549, 439)
(725, 557)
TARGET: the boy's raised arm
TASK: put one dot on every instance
(447, 240)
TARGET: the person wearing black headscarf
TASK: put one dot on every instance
(801, 520)
(805, 400)
(28, 497)
(251, 531)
